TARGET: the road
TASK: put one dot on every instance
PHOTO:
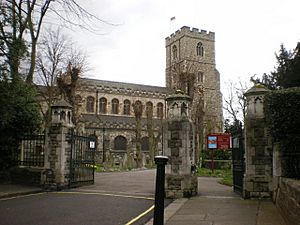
(115, 198)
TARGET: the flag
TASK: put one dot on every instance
(173, 18)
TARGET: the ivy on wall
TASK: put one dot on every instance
(282, 111)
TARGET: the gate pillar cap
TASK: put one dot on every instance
(257, 89)
(62, 103)
(61, 112)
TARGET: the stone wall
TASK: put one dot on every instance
(121, 158)
(288, 200)
(120, 91)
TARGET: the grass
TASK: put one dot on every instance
(225, 175)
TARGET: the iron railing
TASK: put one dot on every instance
(82, 163)
(32, 149)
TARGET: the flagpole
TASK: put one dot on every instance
(172, 19)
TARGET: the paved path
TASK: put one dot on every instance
(137, 183)
(115, 198)
(216, 204)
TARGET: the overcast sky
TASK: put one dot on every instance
(247, 35)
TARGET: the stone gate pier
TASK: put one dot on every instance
(57, 154)
(258, 147)
(179, 147)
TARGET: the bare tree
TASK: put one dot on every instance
(153, 134)
(21, 26)
(138, 112)
(184, 78)
(58, 67)
(235, 102)
(67, 82)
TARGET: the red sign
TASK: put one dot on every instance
(223, 141)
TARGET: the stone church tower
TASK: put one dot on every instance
(191, 67)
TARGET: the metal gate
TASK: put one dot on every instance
(82, 160)
(238, 163)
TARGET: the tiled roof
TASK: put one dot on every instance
(123, 85)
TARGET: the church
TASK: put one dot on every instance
(108, 109)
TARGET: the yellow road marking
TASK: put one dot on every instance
(104, 194)
(94, 193)
(140, 216)
(21, 196)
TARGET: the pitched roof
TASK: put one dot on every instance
(124, 85)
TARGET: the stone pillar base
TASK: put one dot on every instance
(256, 186)
(181, 186)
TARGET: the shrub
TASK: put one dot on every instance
(282, 111)
(19, 115)
(218, 154)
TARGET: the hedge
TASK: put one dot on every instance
(282, 112)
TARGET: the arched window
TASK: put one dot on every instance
(160, 110)
(126, 107)
(56, 116)
(183, 109)
(189, 87)
(63, 115)
(69, 117)
(102, 105)
(145, 144)
(200, 77)
(200, 49)
(120, 143)
(90, 101)
(174, 50)
(115, 106)
(138, 108)
(149, 109)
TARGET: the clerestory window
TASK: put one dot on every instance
(126, 107)
(149, 109)
(103, 105)
(160, 110)
(115, 106)
(90, 101)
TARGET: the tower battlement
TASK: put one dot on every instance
(193, 32)
(192, 51)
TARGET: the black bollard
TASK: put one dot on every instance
(160, 161)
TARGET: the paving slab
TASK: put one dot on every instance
(217, 204)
